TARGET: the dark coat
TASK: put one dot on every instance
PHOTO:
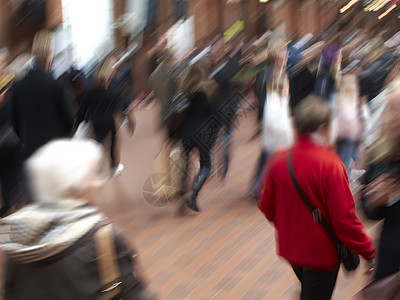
(197, 124)
(41, 111)
(100, 106)
(226, 102)
(389, 245)
(72, 274)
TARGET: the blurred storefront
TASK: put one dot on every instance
(87, 30)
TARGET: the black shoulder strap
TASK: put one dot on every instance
(316, 213)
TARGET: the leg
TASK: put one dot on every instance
(344, 150)
(202, 176)
(318, 284)
(183, 165)
(260, 172)
(227, 145)
(299, 273)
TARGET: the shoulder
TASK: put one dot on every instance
(331, 163)
(277, 160)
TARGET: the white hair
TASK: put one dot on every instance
(62, 166)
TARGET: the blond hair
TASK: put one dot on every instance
(385, 146)
(105, 72)
(42, 49)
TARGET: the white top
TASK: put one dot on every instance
(277, 127)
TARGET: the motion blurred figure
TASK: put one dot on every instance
(381, 194)
(41, 108)
(301, 239)
(51, 245)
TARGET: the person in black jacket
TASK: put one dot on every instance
(100, 106)
(40, 107)
(197, 131)
(226, 103)
(381, 197)
(12, 191)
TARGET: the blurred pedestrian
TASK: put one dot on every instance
(322, 178)
(197, 130)
(348, 120)
(381, 196)
(12, 191)
(41, 108)
(55, 248)
(101, 107)
(276, 125)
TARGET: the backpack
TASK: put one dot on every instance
(173, 116)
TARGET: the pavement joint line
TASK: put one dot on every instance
(235, 276)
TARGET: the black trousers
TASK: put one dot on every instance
(316, 285)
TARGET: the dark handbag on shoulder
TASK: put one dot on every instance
(387, 288)
(9, 141)
(349, 259)
(109, 273)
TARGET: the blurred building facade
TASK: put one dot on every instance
(19, 20)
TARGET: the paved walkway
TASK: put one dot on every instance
(225, 252)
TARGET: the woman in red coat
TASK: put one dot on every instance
(323, 178)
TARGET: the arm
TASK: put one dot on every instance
(266, 202)
(375, 194)
(345, 223)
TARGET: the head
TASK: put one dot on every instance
(313, 116)
(67, 169)
(42, 50)
(105, 73)
(193, 79)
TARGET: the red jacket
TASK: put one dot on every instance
(323, 178)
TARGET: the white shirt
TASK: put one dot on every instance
(277, 127)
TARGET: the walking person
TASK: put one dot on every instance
(62, 246)
(196, 130)
(100, 107)
(276, 126)
(348, 120)
(40, 107)
(381, 194)
(322, 177)
(12, 192)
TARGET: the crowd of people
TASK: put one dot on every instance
(327, 109)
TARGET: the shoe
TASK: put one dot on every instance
(192, 205)
(118, 170)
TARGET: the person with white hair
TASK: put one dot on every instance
(52, 245)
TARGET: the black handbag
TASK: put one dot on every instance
(349, 259)
(9, 141)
